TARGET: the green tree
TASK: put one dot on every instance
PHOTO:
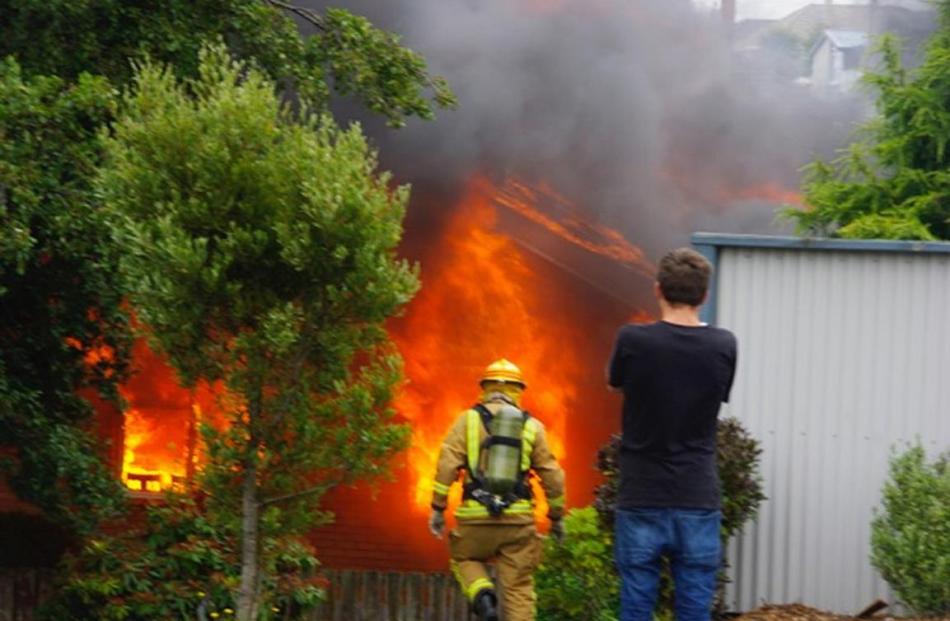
(62, 329)
(259, 251)
(70, 37)
(894, 182)
(177, 564)
(910, 535)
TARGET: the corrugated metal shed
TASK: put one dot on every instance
(844, 353)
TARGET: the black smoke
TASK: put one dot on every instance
(637, 110)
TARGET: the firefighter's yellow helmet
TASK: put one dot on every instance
(503, 371)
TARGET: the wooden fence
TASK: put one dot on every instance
(21, 591)
(352, 596)
(385, 596)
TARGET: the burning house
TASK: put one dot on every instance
(592, 135)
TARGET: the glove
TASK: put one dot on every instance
(557, 530)
(437, 523)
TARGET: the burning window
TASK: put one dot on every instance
(161, 424)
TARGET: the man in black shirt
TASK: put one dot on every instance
(674, 374)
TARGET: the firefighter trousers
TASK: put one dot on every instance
(516, 551)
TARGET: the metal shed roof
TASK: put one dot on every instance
(727, 240)
(844, 348)
(708, 244)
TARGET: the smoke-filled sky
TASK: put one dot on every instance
(774, 9)
(766, 9)
(635, 111)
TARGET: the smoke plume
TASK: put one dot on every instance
(636, 110)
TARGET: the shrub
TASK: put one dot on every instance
(910, 535)
(178, 565)
(577, 581)
(737, 455)
(572, 588)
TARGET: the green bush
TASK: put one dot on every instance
(910, 535)
(737, 455)
(577, 581)
(178, 565)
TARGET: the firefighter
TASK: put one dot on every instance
(495, 448)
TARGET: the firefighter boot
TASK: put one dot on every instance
(486, 606)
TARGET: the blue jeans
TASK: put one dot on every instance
(689, 537)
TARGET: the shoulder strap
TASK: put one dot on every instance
(485, 414)
(473, 420)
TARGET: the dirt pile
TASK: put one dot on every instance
(798, 612)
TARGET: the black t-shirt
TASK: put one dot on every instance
(673, 379)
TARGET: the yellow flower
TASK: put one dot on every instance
(275, 609)
(215, 615)
(201, 593)
(228, 611)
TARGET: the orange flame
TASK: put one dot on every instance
(484, 297)
(161, 448)
(480, 301)
(721, 191)
(593, 237)
(771, 192)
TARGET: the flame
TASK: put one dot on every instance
(485, 296)
(771, 192)
(723, 192)
(481, 300)
(161, 449)
(596, 238)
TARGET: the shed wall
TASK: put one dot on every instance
(843, 355)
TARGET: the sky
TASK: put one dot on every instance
(768, 9)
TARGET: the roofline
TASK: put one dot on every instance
(710, 245)
(727, 240)
(848, 7)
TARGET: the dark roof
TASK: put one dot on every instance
(809, 22)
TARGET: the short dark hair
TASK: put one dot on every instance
(683, 276)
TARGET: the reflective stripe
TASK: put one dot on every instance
(472, 436)
(556, 503)
(454, 566)
(527, 443)
(440, 488)
(474, 509)
(477, 587)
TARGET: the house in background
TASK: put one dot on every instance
(827, 46)
(837, 60)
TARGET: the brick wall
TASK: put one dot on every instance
(376, 529)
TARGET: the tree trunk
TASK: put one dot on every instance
(247, 603)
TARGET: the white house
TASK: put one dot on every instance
(837, 60)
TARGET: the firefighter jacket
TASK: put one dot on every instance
(461, 451)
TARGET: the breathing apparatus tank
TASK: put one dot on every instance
(503, 468)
